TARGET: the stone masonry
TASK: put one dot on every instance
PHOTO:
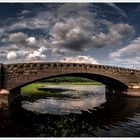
(18, 75)
(15, 76)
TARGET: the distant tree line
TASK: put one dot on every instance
(67, 79)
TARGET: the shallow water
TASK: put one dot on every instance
(75, 111)
(74, 99)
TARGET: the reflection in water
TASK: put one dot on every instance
(82, 99)
(124, 117)
(85, 112)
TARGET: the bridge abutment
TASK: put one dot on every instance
(134, 86)
(9, 98)
(131, 92)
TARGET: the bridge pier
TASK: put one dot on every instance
(131, 92)
(134, 86)
(8, 98)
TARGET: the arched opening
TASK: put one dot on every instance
(61, 80)
(98, 79)
(108, 81)
(68, 99)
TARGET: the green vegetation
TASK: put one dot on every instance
(66, 126)
(35, 93)
(67, 79)
(32, 88)
(73, 83)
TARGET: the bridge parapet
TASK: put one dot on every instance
(40, 65)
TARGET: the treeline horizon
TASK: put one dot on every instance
(67, 79)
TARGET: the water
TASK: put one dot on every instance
(72, 99)
(73, 111)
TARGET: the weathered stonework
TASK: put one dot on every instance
(18, 75)
(7, 98)
(14, 76)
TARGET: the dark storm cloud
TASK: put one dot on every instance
(60, 28)
(72, 34)
(80, 34)
(116, 32)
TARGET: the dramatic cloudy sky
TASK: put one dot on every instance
(97, 33)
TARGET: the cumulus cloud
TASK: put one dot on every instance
(21, 39)
(128, 55)
(43, 18)
(67, 29)
(116, 33)
(12, 55)
(80, 33)
(38, 22)
(76, 29)
(72, 34)
(122, 29)
(21, 25)
(73, 28)
(31, 41)
(71, 8)
(57, 51)
(1, 31)
(37, 55)
(131, 50)
(21, 47)
(17, 37)
(80, 59)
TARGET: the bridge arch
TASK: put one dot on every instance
(18, 75)
(15, 76)
(107, 81)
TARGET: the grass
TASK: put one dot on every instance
(32, 91)
(32, 88)
(73, 83)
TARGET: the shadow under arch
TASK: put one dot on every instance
(107, 81)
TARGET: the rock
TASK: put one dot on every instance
(3, 91)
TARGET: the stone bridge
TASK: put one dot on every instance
(15, 76)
